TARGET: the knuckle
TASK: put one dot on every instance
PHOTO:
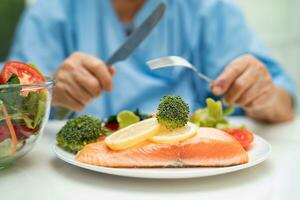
(68, 65)
(86, 98)
(59, 87)
(261, 68)
(238, 85)
(77, 54)
(93, 62)
(97, 91)
(249, 57)
(92, 83)
(79, 77)
(94, 86)
(107, 81)
(59, 77)
(235, 69)
(268, 80)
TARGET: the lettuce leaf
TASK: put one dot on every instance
(212, 115)
(30, 108)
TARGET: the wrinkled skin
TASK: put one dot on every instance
(81, 78)
(247, 82)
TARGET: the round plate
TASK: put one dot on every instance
(259, 151)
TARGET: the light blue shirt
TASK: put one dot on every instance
(210, 34)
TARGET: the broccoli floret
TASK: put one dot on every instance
(173, 112)
(78, 132)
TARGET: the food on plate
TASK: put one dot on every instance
(209, 147)
(212, 115)
(165, 135)
(126, 118)
(167, 139)
(112, 124)
(133, 134)
(78, 132)
(21, 109)
(244, 136)
(173, 112)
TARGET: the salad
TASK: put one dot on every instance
(22, 106)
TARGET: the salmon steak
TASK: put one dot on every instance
(210, 147)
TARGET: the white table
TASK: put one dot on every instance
(42, 176)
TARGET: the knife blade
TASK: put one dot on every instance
(137, 36)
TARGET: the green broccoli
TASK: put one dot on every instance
(173, 112)
(78, 132)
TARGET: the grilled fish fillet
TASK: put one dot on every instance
(209, 147)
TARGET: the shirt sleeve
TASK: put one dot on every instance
(42, 36)
(227, 36)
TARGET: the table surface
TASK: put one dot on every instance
(41, 175)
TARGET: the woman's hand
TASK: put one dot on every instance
(247, 82)
(81, 78)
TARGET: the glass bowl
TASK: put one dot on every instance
(24, 111)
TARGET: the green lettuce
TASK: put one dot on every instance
(213, 115)
(30, 108)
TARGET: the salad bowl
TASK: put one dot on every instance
(24, 111)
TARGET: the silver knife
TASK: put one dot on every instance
(133, 41)
(137, 36)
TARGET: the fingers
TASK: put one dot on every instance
(87, 81)
(243, 82)
(239, 86)
(252, 94)
(97, 68)
(229, 75)
(76, 90)
(259, 100)
(80, 79)
(112, 70)
(62, 98)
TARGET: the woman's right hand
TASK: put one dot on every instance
(81, 78)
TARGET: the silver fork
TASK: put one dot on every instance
(175, 61)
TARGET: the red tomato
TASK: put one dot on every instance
(244, 136)
(25, 73)
(22, 132)
(113, 126)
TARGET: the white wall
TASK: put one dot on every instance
(278, 23)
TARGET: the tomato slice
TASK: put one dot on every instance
(244, 136)
(25, 73)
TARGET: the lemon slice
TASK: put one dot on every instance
(133, 134)
(176, 135)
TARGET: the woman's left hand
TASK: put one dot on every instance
(247, 82)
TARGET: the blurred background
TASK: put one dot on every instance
(277, 22)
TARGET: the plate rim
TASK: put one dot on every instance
(151, 174)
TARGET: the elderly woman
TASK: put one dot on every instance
(71, 38)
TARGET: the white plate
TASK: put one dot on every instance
(259, 152)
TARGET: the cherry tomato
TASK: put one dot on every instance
(244, 136)
(25, 73)
(113, 126)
